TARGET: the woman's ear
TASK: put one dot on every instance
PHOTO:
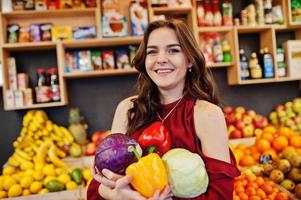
(189, 65)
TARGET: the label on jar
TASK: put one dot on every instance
(55, 92)
(43, 94)
(256, 73)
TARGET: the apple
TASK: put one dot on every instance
(239, 125)
(251, 113)
(240, 109)
(238, 116)
(90, 148)
(257, 131)
(297, 119)
(288, 104)
(228, 109)
(230, 119)
(75, 150)
(279, 108)
(273, 115)
(247, 119)
(248, 131)
(236, 134)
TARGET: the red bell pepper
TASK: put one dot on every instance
(156, 138)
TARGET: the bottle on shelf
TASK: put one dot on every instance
(227, 57)
(54, 84)
(260, 12)
(244, 68)
(267, 64)
(268, 16)
(255, 69)
(227, 12)
(208, 14)
(42, 90)
(280, 63)
(217, 16)
(200, 12)
(251, 15)
(217, 48)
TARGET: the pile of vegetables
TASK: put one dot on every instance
(182, 169)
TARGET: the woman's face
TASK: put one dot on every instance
(165, 62)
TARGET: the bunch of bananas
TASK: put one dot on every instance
(40, 141)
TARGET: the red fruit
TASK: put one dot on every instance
(235, 134)
(98, 136)
(239, 125)
(228, 109)
(90, 148)
(230, 119)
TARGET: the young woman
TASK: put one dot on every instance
(174, 87)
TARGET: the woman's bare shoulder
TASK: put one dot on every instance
(207, 109)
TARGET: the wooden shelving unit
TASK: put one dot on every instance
(92, 17)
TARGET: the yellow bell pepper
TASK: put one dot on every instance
(148, 174)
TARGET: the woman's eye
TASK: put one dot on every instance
(151, 52)
(172, 51)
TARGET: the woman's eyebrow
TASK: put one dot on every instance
(170, 45)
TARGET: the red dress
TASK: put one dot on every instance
(183, 135)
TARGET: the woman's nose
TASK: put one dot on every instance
(161, 59)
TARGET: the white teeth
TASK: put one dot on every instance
(164, 70)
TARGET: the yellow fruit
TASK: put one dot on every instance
(8, 170)
(35, 187)
(26, 165)
(49, 170)
(26, 192)
(64, 178)
(59, 171)
(49, 178)
(43, 191)
(17, 177)
(87, 174)
(8, 182)
(15, 190)
(39, 166)
(29, 172)
(38, 175)
(71, 185)
(26, 181)
(88, 183)
(3, 194)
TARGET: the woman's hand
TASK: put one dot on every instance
(107, 177)
(166, 194)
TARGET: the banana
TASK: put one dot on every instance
(42, 151)
(22, 154)
(66, 134)
(49, 126)
(13, 162)
(60, 153)
(19, 158)
(53, 157)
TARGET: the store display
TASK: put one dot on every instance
(244, 68)
(292, 49)
(139, 18)
(77, 126)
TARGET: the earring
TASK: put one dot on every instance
(189, 69)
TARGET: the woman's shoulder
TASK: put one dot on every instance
(203, 107)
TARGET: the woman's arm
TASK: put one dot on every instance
(120, 121)
(211, 129)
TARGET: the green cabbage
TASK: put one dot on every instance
(186, 173)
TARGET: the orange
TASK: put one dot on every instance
(259, 181)
(238, 154)
(243, 196)
(250, 191)
(279, 143)
(262, 145)
(285, 131)
(282, 196)
(247, 161)
(299, 151)
(235, 197)
(287, 149)
(268, 189)
(255, 197)
(241, 147)
(270, 129)
(261, 193)
(268, 136)
(272, 152)
(295, 141)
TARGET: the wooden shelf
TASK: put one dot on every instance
(267, 80)
(219, 65)
(205, 29)
(48, 13)
(102, 42)
(40, 105)
(100, 73)
(172, 11)
(29, 46)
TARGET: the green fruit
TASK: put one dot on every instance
(288, 184)
(55, 186)
(76, 175)
(75, 150)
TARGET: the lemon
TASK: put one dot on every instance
(49, 178)
(71, 185)
(15, 190)
(8, 170)
(3, 194)
(39, 166)
(38, 175)
(59, 171)
(43, 191)
(26, 165)
(35, 187)
(49, 170)
(26, 181)
(17, 176)
(87, 174)
(26, 192)
(8, 182)
(29, 172)
(64, 178)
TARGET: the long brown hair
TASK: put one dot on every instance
(199, 82)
